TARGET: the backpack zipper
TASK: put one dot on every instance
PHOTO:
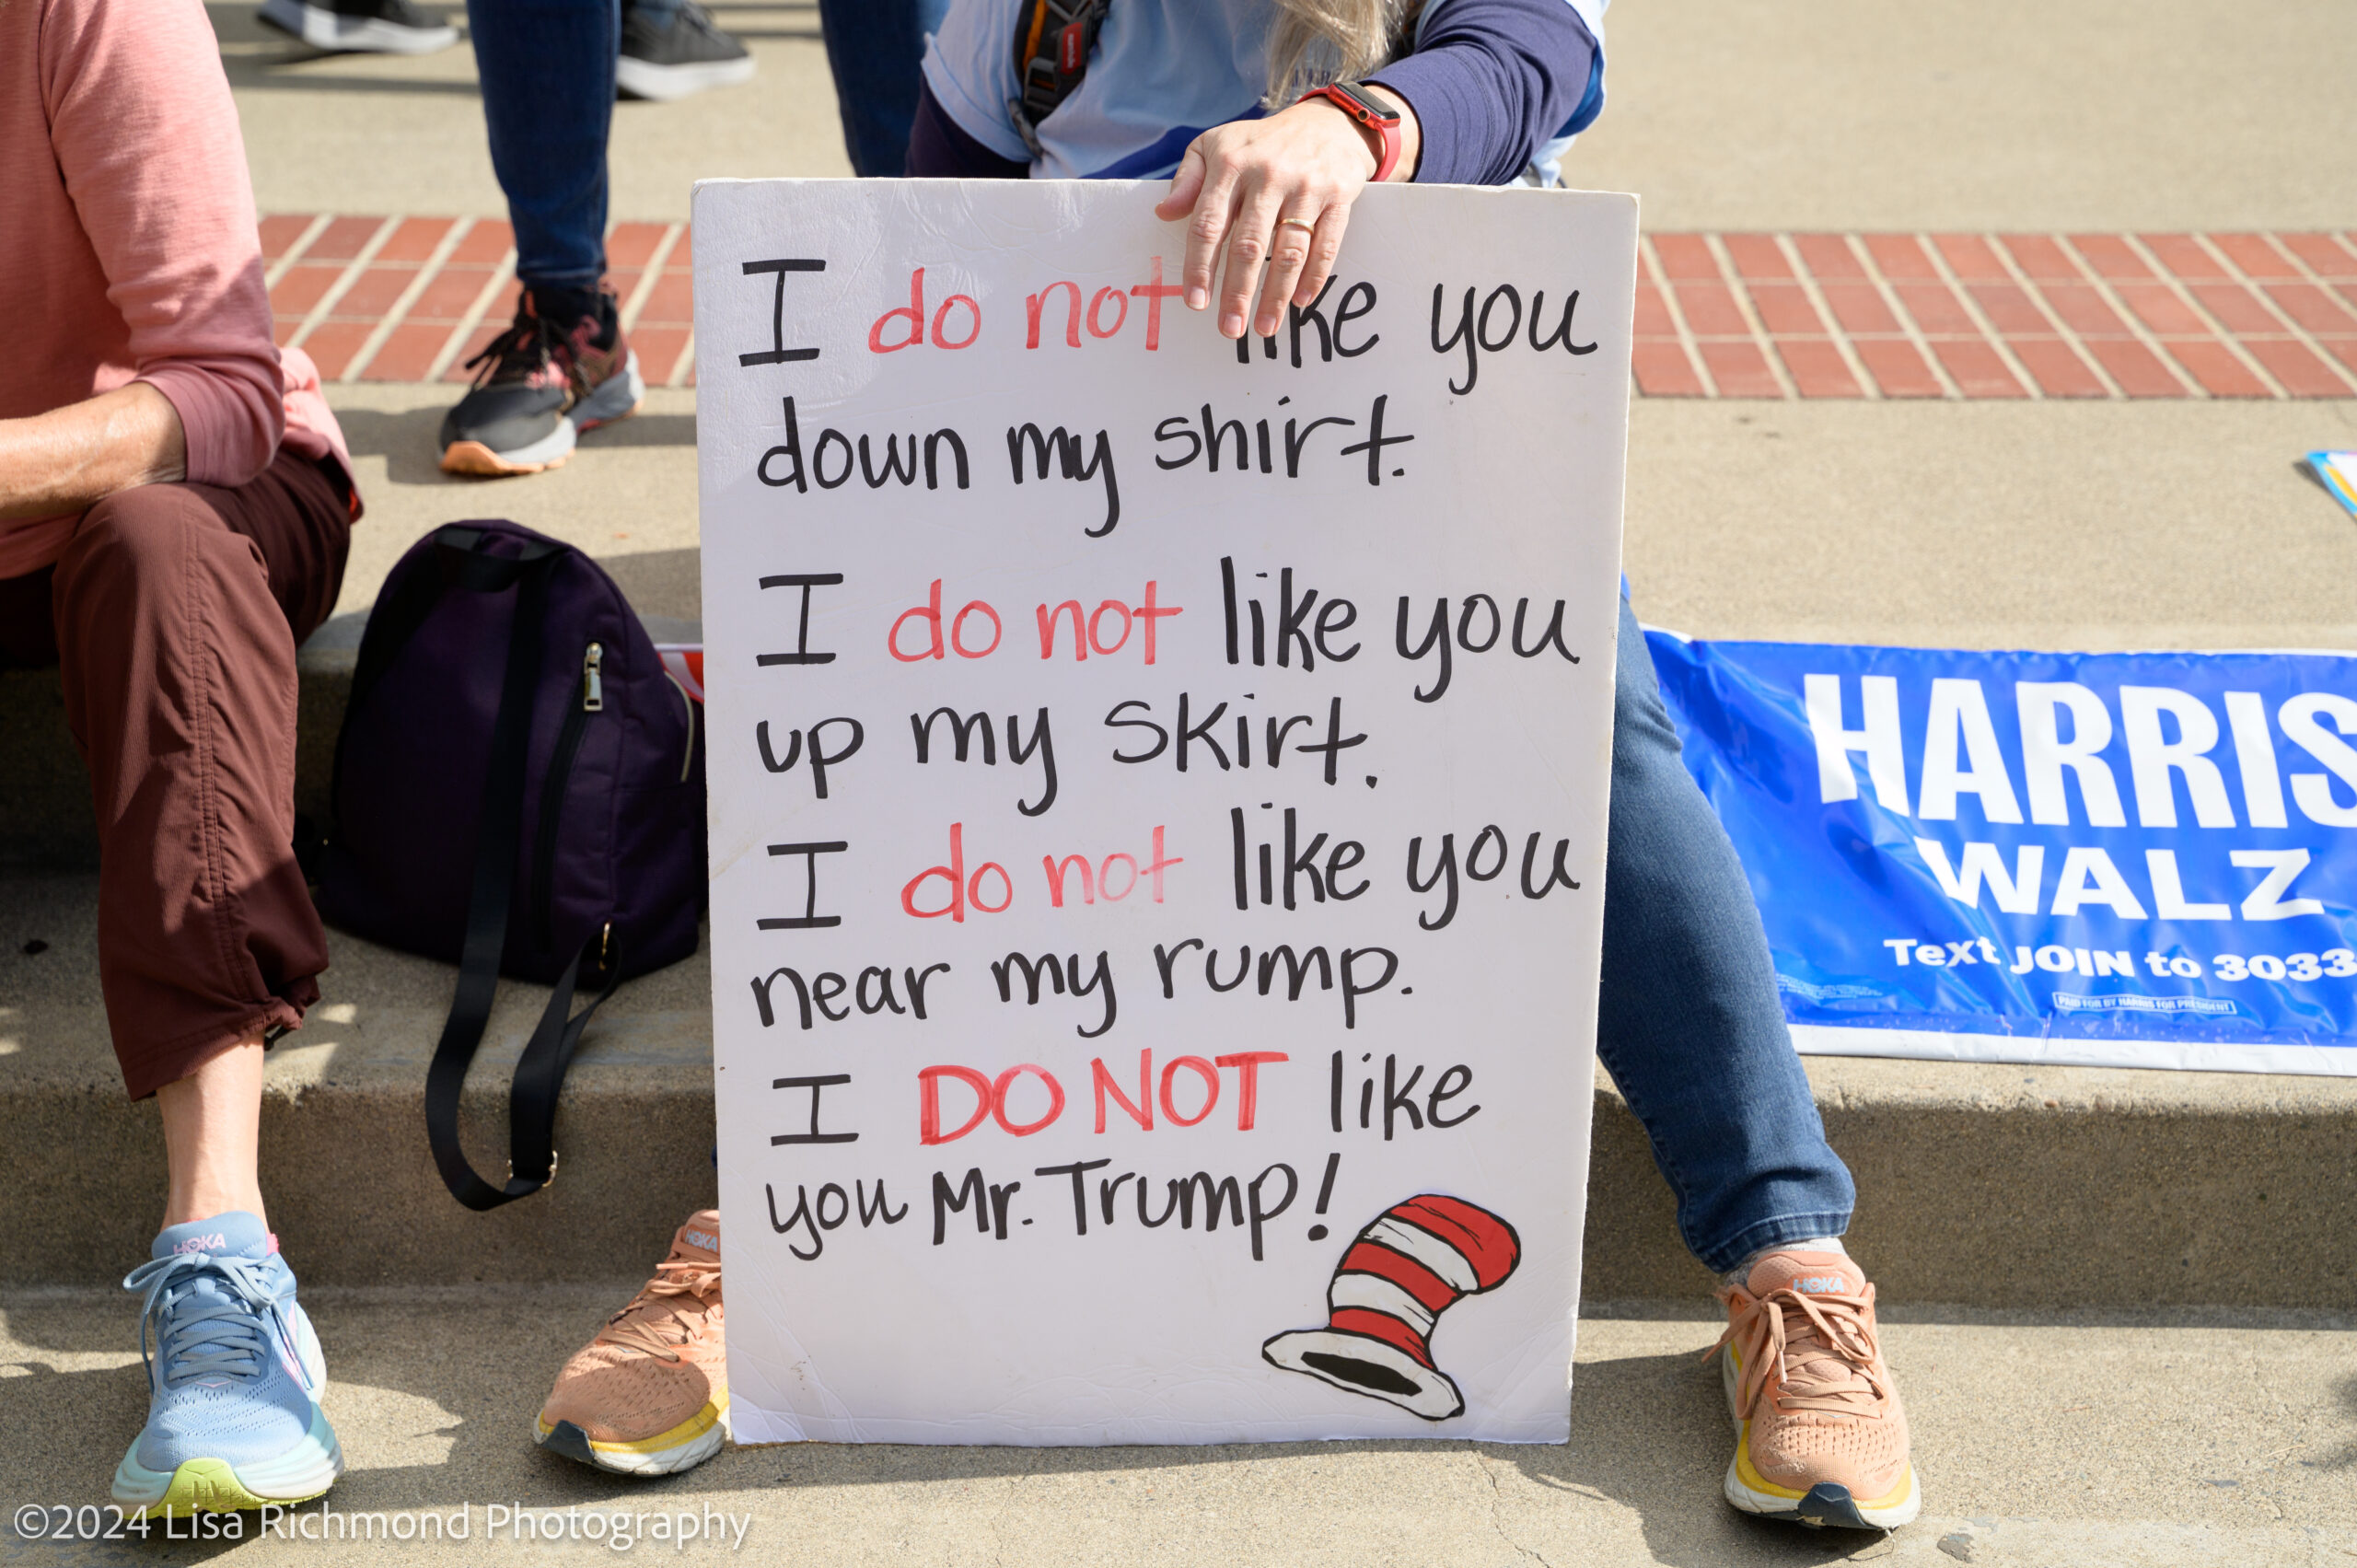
(553, 788)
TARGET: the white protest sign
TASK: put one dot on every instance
(1158, 800)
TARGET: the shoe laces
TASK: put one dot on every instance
(207, 1315)
(523, 351)
(655, 1322)
(1821, 1348)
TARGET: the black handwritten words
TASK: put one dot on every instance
(1539, 879)
(1199, 734)
(1187, 439)
(1479, 623)
(1357, 968)
(1493, 331)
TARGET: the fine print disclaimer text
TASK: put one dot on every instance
(618, 1529)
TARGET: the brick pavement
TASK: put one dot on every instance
(1863, 316)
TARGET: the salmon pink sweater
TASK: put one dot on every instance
(127, 244)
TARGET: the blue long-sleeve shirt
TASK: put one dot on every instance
(1497, 87)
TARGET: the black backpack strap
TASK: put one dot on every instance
(540, 1074)
(1052, 40)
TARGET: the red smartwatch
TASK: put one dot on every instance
(1353, 99)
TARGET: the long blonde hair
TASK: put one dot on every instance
(1317, 42)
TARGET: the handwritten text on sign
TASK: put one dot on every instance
(1158, 794)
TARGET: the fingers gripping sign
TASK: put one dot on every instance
(1266, 203)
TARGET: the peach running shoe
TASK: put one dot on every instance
(649, 1395)
(1821, 1439)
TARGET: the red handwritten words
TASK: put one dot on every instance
(1074, 876)
(927, 632)
(1200, 1088)
(956, 321)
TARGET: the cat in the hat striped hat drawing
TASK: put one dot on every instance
(1418, 1259)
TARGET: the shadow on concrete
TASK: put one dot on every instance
(409, 439)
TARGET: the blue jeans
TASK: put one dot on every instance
(1690, 1023)
(874, 48)
(547, 69)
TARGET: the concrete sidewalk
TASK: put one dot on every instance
(2236, 1451)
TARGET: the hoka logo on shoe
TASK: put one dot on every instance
(216, 1242)
(1822, 1284)
(699, 1238)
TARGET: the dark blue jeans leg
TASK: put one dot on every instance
(874, 48)
(547, 68)
(1690, 1025)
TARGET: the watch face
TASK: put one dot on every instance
(1367, 108)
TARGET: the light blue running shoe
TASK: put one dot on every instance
(233, 1379)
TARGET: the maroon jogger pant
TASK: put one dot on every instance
(173, 617)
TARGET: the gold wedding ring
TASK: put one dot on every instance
(1296, 223)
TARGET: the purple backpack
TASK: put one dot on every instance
(519, 790)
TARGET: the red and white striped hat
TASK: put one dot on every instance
(1400, 1274)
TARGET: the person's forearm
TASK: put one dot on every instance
(1491, 81)
(70, 459)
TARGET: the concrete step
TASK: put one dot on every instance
(2097, 1440)
(1993, 1186)
(45, 821)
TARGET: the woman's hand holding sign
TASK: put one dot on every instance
(1276, 191)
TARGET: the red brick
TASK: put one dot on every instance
(278, 231)
(2158, 305)
(2040, 258)
(2311, 307)
(673, 301)
(344, 238)
(2325, 257)
(2137, 369)
(2084, 311)
(1829, 256)
(2010, 309)
(2236, 307)
(1664, 370)
(690, 382)
(1859, 308)
(2183, 254)
(2112, 257)
(2254, 256)
(414, 241)
(449, 294)
(1786, 311)
(1976, 368)
(332, 344)
(683, 253)
(1970, 256)
(1937, 311)
(658, 351)
(632, 245)
(2341, 349)
(373, 292)
(1710, 310)
(1817, 368)
(622, 283)
(1684, 256)
(1652, 312)
(2297, 365)
(2220, 374)
(302, 286)
(284, 327)
(1897, 368)
(2058, 371)
(1740, 369)
(1756, 256)
(408, 352)
(1900, 256)
(487, 243)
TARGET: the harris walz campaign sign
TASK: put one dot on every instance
(2115, 859)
